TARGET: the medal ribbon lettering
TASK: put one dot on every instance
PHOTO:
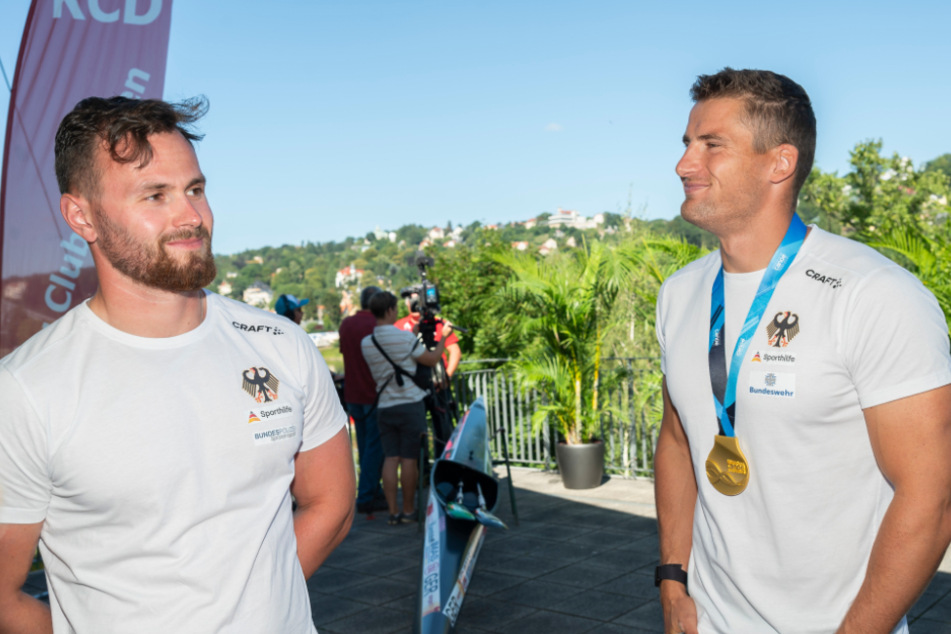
(723, 381)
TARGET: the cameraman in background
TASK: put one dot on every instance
(453, 351)
(395, 359)
(422, 302)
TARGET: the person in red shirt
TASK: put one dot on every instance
(440, 403)
(359, 392)
(452, 341)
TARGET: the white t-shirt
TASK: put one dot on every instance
(161, 469)
(790, 553)
(403, 348)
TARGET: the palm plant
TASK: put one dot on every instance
(655, 258)
(566, 301)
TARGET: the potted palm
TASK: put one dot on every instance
(564, 304)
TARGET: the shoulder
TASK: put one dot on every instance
(404, 324)
(699, 267)
(844, 252)
(685, 281)
(246, 318)
(358, 324)
(356, 319)
(249, 321)
(51, 342)
(346, 327)
(870, 299)
(451, 339)
(393, 335)
(838, 262)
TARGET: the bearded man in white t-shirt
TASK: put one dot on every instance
(153, 436)
(802, 472)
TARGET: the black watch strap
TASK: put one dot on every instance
(673, 572)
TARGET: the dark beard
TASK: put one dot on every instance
(150, 264)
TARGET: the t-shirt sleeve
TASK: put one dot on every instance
(323, 414)
(896, 338)
(452, 338)
(659, 328)
(25, 484)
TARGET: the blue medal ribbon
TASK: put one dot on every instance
(724, 383)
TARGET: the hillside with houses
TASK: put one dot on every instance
(332, 273)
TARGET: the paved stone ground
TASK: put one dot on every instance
(579, 561)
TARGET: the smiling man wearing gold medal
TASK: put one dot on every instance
(802, 478)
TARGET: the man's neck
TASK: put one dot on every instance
(751, 247)
(145, 311)
(385, 321)
(745, 254)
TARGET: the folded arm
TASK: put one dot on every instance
(324, 487)
(19, 612)
(911, 439)
(675, 490)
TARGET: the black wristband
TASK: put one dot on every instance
(673, 572)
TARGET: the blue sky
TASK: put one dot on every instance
(331, 118)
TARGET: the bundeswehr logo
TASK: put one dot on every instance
(260, 384)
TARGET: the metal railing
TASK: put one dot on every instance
(628, 425)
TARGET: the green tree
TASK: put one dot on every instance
(412, 234)
(613, 220)
(941, 164)
(330, 299)
(878, 196)
(469, 280)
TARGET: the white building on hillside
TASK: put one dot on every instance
(348, 276)
(258, 294)
(571, 218)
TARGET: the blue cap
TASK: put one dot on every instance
(287, 304)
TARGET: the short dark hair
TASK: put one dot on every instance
(121, 125)
(366, 294)
(382, 302)
(779, 111)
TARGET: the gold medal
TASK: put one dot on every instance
(727, 469)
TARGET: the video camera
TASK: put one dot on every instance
(427, 293)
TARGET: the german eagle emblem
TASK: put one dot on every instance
(260, 384)
(783, 328)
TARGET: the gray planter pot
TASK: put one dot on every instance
(581, 466)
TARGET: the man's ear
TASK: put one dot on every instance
(785, 160)
(76, 212)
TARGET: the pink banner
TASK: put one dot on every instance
(71, 49)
